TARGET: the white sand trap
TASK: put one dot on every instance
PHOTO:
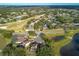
(3, 27)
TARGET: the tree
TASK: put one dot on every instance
(20, 52)
(76, 20)
(8, 50)
(64, 19)
(11, 50)
(45, 50)
(32, 33)
(6, 33)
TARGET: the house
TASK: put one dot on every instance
(21, 39)
(75, 25)
(45, 27)
(18, 17)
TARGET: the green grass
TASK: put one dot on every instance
(54, 32)
(32, 33)
(2, 42)
(5, 37)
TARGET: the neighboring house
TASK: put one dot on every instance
(75, 25)
(18, 17)
(45, 27)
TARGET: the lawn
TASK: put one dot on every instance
(54, 32)
(5, 37)
(2, 41)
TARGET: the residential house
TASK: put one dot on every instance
(45, 27)
(75, 25)
(20, 39)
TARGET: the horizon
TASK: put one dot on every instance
(38, 4)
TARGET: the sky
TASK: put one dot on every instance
(39, 3)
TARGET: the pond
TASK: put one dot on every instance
(57, 38)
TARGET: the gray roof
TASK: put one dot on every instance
(39, 40)
(19, 37)
(76, 23)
